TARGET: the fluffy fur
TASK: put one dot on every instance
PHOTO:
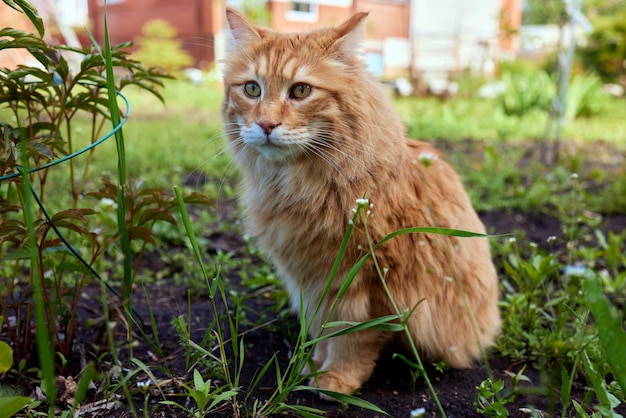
(313, 131)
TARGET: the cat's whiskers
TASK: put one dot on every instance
(309, 149)
(348, 142)
(346, 147)
(321, 147)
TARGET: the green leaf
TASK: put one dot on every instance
(198, 382)
(198, 198)
(379, 324)
(305, 411)
(6, 357)
(10, 405)
(77, 214)
(222, 397)
(610, 331)
(30, 11)
(346, 399)
(141, 233)
(155, 214)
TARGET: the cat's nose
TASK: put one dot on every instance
(267, 126)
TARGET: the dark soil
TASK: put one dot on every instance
(392, 386)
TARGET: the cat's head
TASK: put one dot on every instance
(289, 95)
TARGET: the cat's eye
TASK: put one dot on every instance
(300, 91)
(252, 89)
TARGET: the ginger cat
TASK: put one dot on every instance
(312, 132)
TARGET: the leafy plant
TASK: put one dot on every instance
(488, 398)
(585, 96)
(204, 395)
(526, 91)
(48, 255)
(9, 404)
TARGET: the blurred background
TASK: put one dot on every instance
(432, 41)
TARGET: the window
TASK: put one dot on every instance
(298, 6)
(302, 11)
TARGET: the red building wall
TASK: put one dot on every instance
(386, 19)
(197, 21)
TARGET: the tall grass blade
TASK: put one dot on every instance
(121, 165)
(45, 345)
(83, 385)
(383, 323)
(192, 237)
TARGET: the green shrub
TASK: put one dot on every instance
(159, 47)
(605, 52)
(47, 227)
(525, 91)
(585, 96)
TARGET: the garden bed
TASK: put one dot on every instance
(393, 387)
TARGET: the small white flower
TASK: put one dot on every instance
(385, 271)
(362, 202)
(419, 412)
(532, 245)
(350, 222)
(512, 240)
(574, 176)
(105, 201)
(427, 158)
(143, 383)
(448, 279)
(551, 239)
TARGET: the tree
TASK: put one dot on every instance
(541, 12)
(605, 52)
(159, 47)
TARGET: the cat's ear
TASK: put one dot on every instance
(352, 36)
(241, 30)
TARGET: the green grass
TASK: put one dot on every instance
(168, 142)
(471, 117)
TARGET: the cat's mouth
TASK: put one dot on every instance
(273, 151)
(273, 146)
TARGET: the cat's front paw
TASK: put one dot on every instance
(334, 382)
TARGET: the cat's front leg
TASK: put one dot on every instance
(317, 359)
(349, 361)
